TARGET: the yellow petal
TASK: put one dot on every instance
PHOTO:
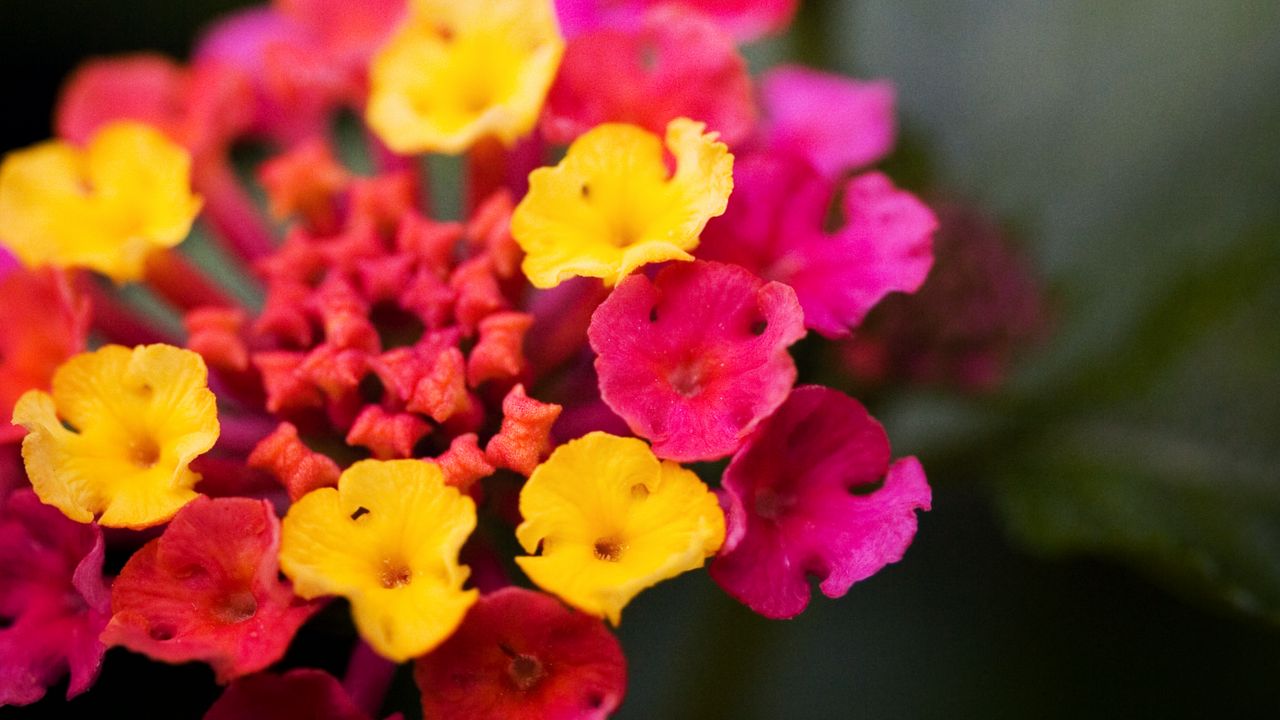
(608, 520)
(611, 206)
(106, 207)
(117, 435)
(457, 72)
(387, 538)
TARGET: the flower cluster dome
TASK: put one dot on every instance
(481, 432)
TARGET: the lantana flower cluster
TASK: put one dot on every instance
(595, 359)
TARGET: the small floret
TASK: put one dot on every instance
(604, 519)
(105, 207)
(612, 206)
(458, 72)
(387, 539)
(116, 437)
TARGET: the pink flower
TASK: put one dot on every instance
(813, 493)
(835, 123)
(521, 655)
(298, 694)
(669, 64)
(775, 226)
(53, 597)
(694, 359)
(208, 590)
(744, 19)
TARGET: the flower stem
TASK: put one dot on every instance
(120, 323)
(183, 284)
(235, 217)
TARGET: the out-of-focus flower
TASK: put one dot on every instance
(776, 227)
(813, 493)
(116, 436)
(456, 73)
(834, 123)
(297, 694)
(672, 64)
(52, 599)
(43, 321)
(106, 207)
(208, 590)
(521, 655)
(612, 206)
(387, 539)
(604, 519)
(696, 389)
(744, 19)
(981, 304)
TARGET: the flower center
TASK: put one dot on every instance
(237, 607)
(770, 504)
(394, 575)
(608, 549)
(686, 379)
(525, 671)
(144, 452)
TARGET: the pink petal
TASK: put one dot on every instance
(52, 591)
(835, 123)
(671, 64)
(801, 498)
(745, 20)
(521, 655)
(774, 226)
(694, 359)
(297, 695)
(208, 590)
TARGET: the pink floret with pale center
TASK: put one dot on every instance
(694, 359)
(776, 226)
(208, 590)
(835, 123)
(52, 596)
(813, 492)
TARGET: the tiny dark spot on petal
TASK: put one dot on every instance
(161, 632)
(759, 326)
(653, 314)
(639, 491)
(586, 191)
(359, 513)
(595, 701)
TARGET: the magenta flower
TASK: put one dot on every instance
(670, 63)
(744, 19)
(695, 358)
(208, 590)
(521, 655)
(813, 493)
(833, 122)
(52, 597)
(775, 226)
(297, 694)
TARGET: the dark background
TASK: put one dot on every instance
(1106, 535)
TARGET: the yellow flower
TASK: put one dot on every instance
(612, 520)
(609, 207)
(117, 434)
(457, 72)
(387, 539)
(105, 207)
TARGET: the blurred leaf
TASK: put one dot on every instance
(1135, 145)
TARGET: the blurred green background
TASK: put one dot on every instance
(1106, 534)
